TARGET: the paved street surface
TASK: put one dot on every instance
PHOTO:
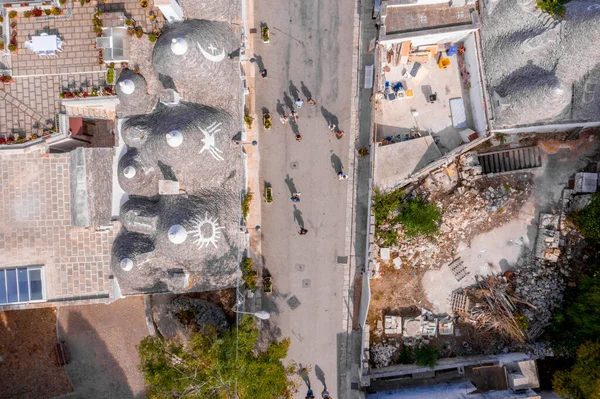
(310, 53)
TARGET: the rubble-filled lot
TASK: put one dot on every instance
(489, 226)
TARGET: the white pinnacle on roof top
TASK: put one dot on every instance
(126, 264)
(127, 86)
(179, 46)
(174, 138)
(177, 234)
(129, 172)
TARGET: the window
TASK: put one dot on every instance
(460, 14)
(22, 284)
(423, 19)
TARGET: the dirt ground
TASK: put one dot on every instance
(27, 345)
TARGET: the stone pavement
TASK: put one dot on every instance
(310, 54)
(32, 101)
(35, 228)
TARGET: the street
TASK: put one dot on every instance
(309, 55)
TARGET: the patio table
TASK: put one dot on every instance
(44, 43)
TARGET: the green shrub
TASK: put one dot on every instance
(248, 273)
(420, 218)
(555, 8)
(246, 204)
(385, 204)
(152, 37)
(426, 356)
(248, 120)
(588, 220)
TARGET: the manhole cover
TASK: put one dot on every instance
(306, 283)
(294, 165)
(253, 30)
(342, 259)
(300, 267)
(293, 302)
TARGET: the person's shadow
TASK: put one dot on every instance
(336, 163)
(298, 217)
(305, 90)
(290, 183)
(320, 375)
(294, 91)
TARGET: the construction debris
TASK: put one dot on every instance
(542, 285)
(548, 238)
(381, 353)
(496, 308)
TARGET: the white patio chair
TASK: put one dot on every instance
(43, 34)
(29, 45)
(51, 54)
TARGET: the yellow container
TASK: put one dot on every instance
(444, 63)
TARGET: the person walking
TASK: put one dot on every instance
(298, 137)
(339, 134)
(303, 231)
(294, 116)
(296, 197)
(299, 103)
(342, 176)
(263, 73)
(331, 128)
(325, 393)
(311, 101)
(284, 119)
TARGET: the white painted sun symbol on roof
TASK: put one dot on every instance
(200, 232)
(209, 141)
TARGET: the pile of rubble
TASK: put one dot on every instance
(381, 353)
(473, 206)
(542, 285)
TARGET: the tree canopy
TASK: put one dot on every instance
(583, 380)
(588, 220)
(214, 366)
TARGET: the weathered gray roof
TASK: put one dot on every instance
(209, 254)
(546, 70)
(138, 102)
(91, 186)
(206, 65)
(207, 157)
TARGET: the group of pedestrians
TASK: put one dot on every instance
(293, 115)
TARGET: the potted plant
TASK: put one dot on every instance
(37, 12)
(33, 137)
(26, 14)
(1, 45)
(139, 32)
(12, 48)
(152, 37)
(56, 11)
(267, 121)
(248, 119)
(265, 34)
(131, 31)
(62, 2)
(110, 76)
(47, 11)
(128, 22)
(144, 3)
(268, 285)
(12, 14)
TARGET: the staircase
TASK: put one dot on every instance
(510, 160)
